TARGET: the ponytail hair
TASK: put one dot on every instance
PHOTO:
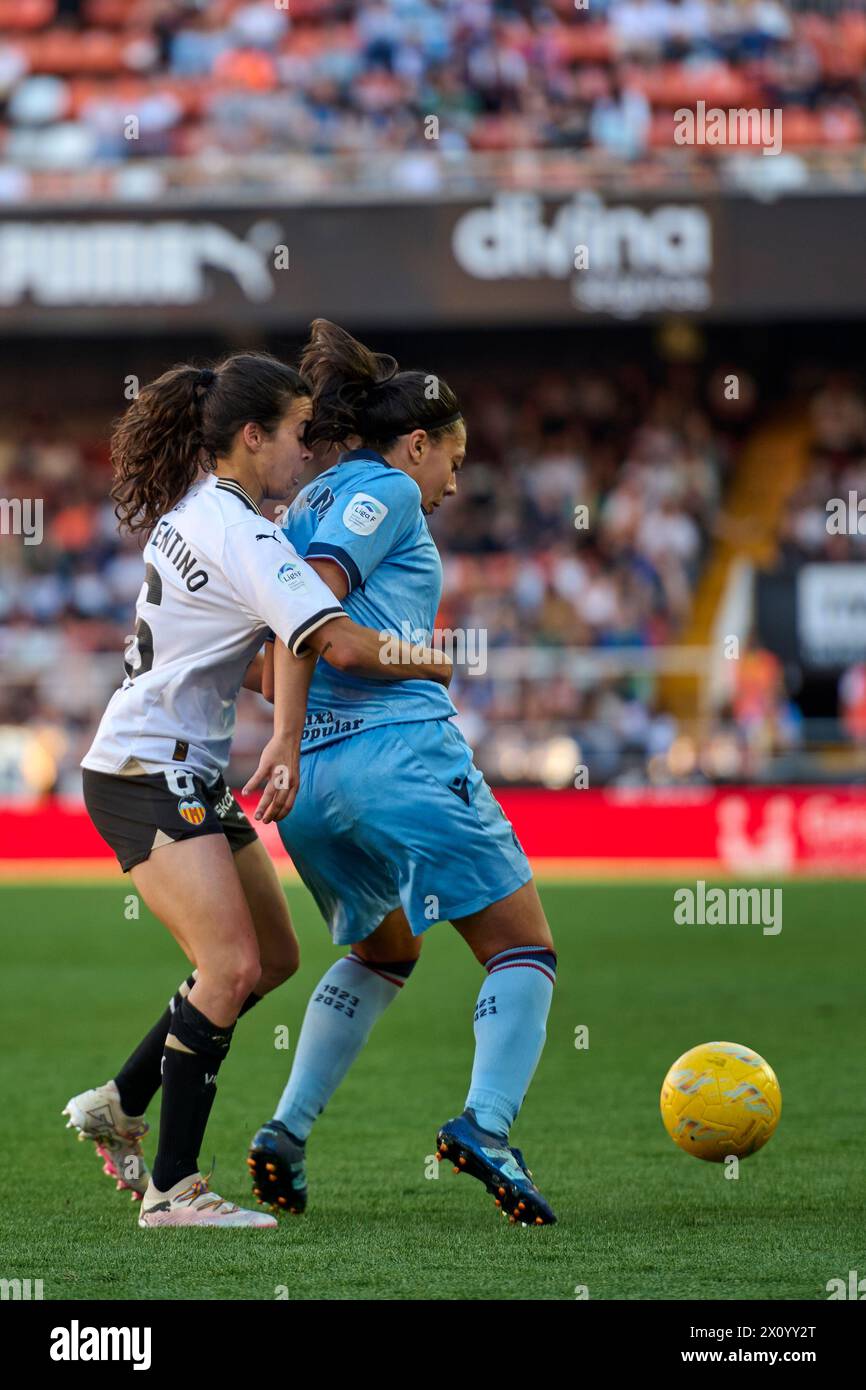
(360, 392)
(181, 423)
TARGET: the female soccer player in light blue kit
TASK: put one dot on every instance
(394, 828)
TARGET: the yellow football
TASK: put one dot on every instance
(720, 1099)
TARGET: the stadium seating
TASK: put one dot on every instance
(648, 458)
(500, 77)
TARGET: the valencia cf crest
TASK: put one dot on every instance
(192, 810)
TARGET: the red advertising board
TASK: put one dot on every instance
(740, 831)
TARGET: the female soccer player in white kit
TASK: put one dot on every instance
(194, 456)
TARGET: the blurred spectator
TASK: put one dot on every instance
(810, 527)
(517, 567)
(338, 81)
(562, 622)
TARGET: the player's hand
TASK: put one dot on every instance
(280, 770)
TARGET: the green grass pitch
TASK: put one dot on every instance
(637, 1218)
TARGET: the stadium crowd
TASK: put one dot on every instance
(131, 97)
(582, 521)
(838, 469)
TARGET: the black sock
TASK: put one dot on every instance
(140, 1077)
(188, 1091)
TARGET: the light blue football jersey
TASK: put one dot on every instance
(367, 516)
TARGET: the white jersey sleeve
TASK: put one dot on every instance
(273, 584)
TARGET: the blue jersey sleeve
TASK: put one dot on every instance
(365, 523)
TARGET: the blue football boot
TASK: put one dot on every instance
(276, 1164)
(502, 1169)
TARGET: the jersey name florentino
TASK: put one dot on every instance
(168, 539)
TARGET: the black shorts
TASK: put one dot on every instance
(135, 815)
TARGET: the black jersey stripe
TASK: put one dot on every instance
(229, 485)
(309, 625)
(320, 550)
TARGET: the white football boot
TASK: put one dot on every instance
(97, 1115)
(191, 1203)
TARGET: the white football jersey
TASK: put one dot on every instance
(218, 575)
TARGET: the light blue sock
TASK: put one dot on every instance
(510, 1019)
(342, 1010)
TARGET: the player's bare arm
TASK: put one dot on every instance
(361, 650)
(288, 679)
(347, 646)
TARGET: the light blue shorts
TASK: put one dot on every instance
(400, 816)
